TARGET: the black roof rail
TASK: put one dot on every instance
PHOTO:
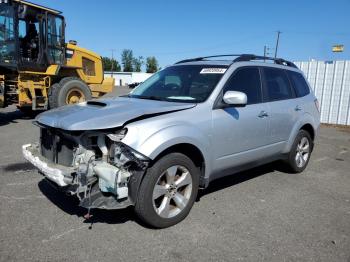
(243, 58)
(250, 57)
(202, 58)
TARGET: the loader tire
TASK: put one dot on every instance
(69, 90)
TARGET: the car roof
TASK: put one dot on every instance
(207, 62)
(226, 63)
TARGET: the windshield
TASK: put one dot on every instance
(7, 36)
(183, 83)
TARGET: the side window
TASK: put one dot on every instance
(89, 67)
(246, 80)
(22, 28)
(55, 39)
(299, 84)
(277, 86)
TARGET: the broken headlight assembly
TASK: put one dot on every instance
(118, 136)
(106, 169)
(117, 164)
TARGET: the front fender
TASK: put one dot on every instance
(169, 136)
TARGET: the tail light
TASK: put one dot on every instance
(317, 104)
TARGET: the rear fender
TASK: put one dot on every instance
(305, 119)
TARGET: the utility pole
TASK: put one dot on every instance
(278, 38)
(112, 63)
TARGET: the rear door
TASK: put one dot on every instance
(240, 133)
(301, 89)
(281, 99)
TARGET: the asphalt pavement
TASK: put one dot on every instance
(262, 214)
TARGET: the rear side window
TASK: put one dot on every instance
(246, 80)
(277, 86)
(299, 84)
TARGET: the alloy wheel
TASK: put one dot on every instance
(172, 191)
(302, 152)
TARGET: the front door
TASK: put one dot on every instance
(240, 133)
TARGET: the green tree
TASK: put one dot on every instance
(127, 60)
(151, 64)
(115, 66)
(106, 62)
(137, 63)
(110, 64)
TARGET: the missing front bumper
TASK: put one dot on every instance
(61, 175)
(91, 194)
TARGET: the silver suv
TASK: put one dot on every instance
(187, 125)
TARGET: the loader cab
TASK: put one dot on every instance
(31, 36)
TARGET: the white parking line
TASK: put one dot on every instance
(344, 151)
(23, 183)
(321, 159)
(58, 236)
(21, 198)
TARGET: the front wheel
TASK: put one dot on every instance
(300, 153)
(168, 191)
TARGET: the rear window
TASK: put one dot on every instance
(299, 84)
(277, 86)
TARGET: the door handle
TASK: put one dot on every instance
(298, 108)
(263, 114)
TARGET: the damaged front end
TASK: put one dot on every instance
(95, 166)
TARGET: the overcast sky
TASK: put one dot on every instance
(173, 30)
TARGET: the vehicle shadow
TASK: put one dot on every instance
(12, 116)
(70, 204)
(241, 177)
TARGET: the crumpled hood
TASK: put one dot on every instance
(106, 113)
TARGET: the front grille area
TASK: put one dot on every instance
(56, 147)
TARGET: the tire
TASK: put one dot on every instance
(299, 155)
(151, 208)
(60, 92)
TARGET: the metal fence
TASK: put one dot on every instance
(331, 84)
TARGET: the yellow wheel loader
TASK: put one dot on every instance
(38, 70)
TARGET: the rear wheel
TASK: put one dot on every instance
(300, 153)
(168, 191)
(69, 90)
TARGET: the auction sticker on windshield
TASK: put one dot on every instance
(213, 70)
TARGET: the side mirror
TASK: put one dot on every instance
(235, 98)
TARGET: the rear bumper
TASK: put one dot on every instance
(60, 175)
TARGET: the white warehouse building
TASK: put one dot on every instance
(330, 81)
(125, 78)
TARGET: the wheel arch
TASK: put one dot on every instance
(308, 128)
(184, 137)
(189, 150)
(305, 123)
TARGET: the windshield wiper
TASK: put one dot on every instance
(150, 97)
